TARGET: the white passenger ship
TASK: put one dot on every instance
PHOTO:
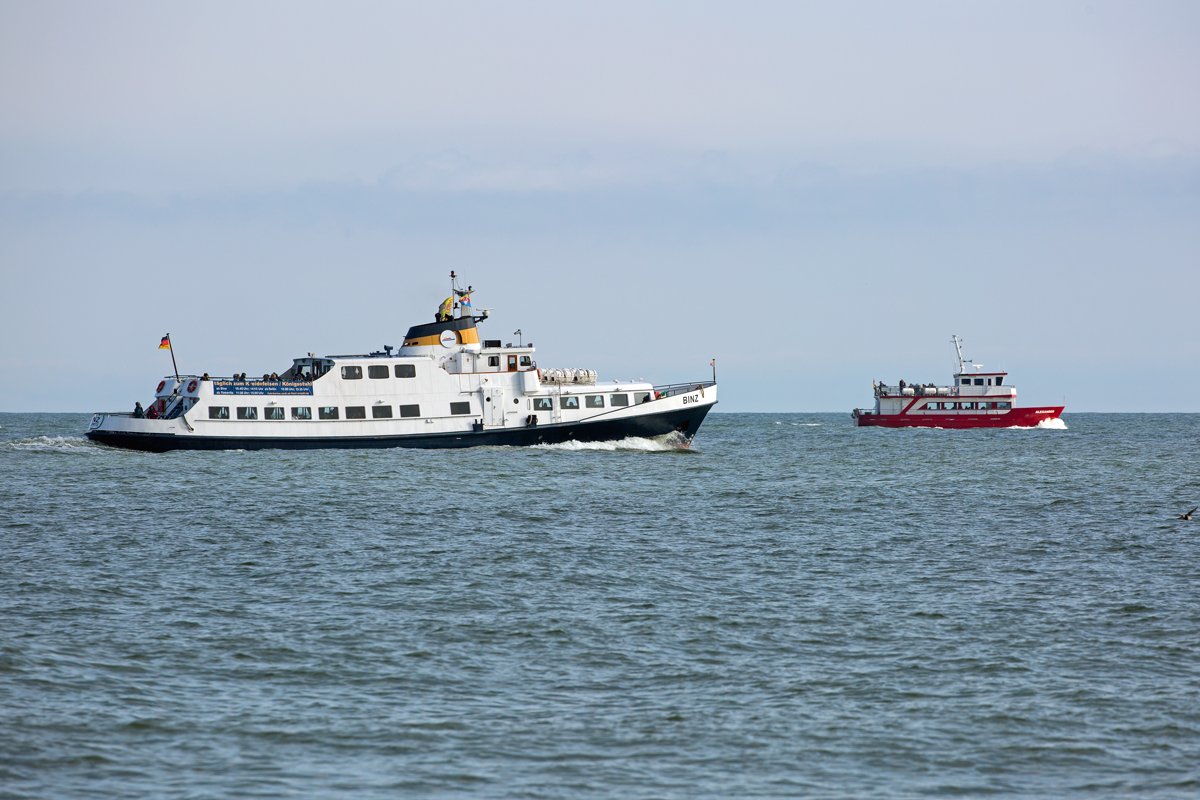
(442, 388)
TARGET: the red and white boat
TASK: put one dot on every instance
(976, 400)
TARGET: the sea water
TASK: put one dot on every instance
(791, 607)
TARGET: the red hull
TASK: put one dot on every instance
(1017, 418)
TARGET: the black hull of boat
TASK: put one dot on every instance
(685, 421)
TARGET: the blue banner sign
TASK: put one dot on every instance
(261, 387)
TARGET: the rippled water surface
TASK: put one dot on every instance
(793, 607)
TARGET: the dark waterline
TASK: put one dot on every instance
(794, 607)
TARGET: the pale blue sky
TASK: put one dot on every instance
(815, 194)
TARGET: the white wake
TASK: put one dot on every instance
(1046, 425)
(671, 442)
(54, 444)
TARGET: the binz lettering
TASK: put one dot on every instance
(691, 398)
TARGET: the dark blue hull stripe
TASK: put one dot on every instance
(685, 420)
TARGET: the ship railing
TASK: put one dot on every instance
(233, 378)
(672, 389)
(917, 391)
(172, 412)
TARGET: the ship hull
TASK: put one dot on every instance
(684, 421)
(1016, 418)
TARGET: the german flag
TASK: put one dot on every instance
(165, 344)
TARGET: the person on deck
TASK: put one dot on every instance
(138, 412)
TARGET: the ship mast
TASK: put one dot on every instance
(462, 298)
(958, 349)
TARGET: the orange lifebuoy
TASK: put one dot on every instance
(160, 385)
(539, 372)
(192, 387)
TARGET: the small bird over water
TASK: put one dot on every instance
(1188, 516)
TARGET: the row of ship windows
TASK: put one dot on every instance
(967, 406)
(385, 412)
(589, 401)
(979, 381)
(328, 412)
(380, 371)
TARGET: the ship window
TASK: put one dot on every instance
(594, 401)
(406, 370)
(966, 382)
(955, 406)
(933, 406)
(352, 373)
(301, 413)
(618, 399)
(460, 408)
(999, 381)
(641, 397)
(493, 361)
(327, 412)
(247, 413)
(218, 412)
(410, 411)
(526, 362)
(377, 371)
(381, 412)
(979, 381)
(985, 406)
(568, 402)
(968, 406)
(273, 413)
(543, 404)
(1004, 405)
(356, 412)
(989, 381)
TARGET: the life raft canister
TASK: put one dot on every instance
(160, 385)
(192, 387)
